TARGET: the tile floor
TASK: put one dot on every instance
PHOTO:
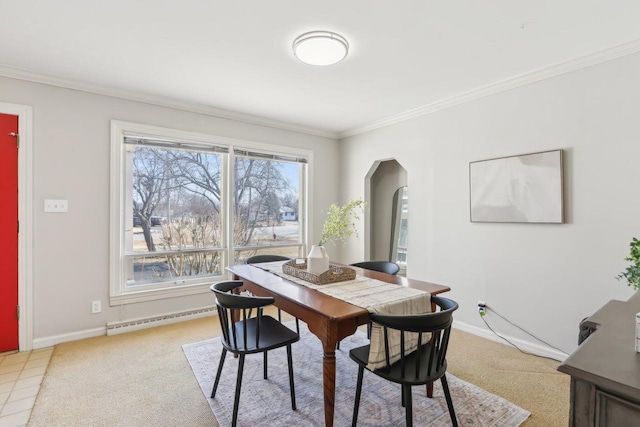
(20, 378)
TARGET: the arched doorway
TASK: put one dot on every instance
(386, 194)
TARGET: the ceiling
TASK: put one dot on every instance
(236, 55)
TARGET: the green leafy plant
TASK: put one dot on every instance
(632, 273)
(340, 223)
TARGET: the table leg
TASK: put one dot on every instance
(329, 381)
(329, 335)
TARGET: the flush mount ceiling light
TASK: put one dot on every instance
(320, 48)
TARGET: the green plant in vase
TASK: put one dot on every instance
(339, 226)
(632, 273)
(341, 221)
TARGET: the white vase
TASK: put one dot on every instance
(317, 260)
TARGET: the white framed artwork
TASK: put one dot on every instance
(527, 188)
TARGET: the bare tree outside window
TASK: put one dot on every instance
(199, 174)
(266, 206)
(177, 203)
(260, 185)
(150, 173)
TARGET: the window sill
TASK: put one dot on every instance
(156, 294)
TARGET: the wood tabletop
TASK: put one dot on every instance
(318, 301)
(301, 295)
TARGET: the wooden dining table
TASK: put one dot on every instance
(328, 318)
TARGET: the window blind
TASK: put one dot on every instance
(261, 155)
(147, 141)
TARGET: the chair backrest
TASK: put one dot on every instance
(265, 258)
(382, 266)
(229, 304)
(430, 364)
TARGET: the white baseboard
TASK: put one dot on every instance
(113, 328)
(529, 347)
(72, 336)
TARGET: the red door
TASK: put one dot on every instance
(8, 233)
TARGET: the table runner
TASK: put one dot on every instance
(375, 296)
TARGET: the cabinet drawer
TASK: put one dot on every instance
(613, 411)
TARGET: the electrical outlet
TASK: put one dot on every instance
(482, 304)
(481, 311)
(96, 307)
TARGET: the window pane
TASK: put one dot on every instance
(174, 197)
(288, 251)
(266, 202)
(173, 267)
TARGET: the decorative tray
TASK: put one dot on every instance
(335, 273)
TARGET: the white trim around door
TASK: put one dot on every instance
(25, 216)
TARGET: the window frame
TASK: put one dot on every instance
(119, 293)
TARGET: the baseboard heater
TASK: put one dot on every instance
(114, 328)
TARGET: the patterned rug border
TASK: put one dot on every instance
(474, 406)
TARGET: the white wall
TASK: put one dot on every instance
(71, 161)
(545, 278)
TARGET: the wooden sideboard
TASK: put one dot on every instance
(605, 369)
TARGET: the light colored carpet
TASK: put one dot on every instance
(530, 382)
(268, 403)
(137, 379)
(143, 378)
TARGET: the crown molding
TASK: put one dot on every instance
(161, 101)
(461, 98)
(501, 86)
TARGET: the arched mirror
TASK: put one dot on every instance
(398, 241)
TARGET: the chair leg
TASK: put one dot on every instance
(447, 396)
(220, 364)
(356, 405)
(291, 386)
(402, 388)
(236, 400)
(408, 405)
(429, 389)
(264, 365)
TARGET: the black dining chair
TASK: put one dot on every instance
(256, 259)
(419, 366)
(250, 334)
(382, 266)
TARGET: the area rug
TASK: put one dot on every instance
(268, 403)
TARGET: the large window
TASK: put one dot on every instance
(184, 206)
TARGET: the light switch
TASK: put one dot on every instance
(51, 205)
